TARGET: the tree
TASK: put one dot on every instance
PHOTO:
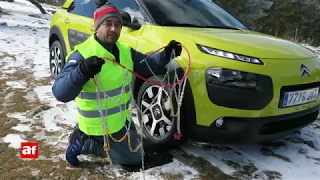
(247, 11)
(34, 2)
(38, 5)
(296, 20)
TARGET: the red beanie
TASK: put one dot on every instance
(104, 12)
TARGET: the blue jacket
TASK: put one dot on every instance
(68, 84)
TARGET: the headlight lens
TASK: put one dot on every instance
(227, 77)
(229, 55)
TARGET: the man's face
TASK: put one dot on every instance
(109, 30)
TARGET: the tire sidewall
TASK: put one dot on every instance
(58, 44)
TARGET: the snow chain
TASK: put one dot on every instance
(103, 114)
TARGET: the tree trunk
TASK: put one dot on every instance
(36, 3)
(296, 33)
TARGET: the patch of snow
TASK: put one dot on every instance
(31, 96)
(8, 97)
(19, 116)
(175, 167)
(22, 128)
(298, 156)
(35, 172)
(17, 84)
(14, 140)
(83, 178)
(52, 158)
(85, 158)
(49, 119)
(8, 72)
(44, 93)
(214, 157)
(66, 115)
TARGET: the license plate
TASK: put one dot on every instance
(300, 97)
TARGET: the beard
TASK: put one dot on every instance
(110, 38)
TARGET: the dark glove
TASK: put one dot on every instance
(173, 45)
(91, 66)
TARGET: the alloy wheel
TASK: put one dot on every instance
(155, 104)
(55, 60)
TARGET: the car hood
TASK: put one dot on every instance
(244, 42)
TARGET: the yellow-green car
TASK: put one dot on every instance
(243, 86)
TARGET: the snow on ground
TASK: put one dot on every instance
(24, 44)
(14, 140)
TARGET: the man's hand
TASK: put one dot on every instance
(91, 66)
(173, 45)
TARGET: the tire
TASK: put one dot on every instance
(56, 58)
(168, 139)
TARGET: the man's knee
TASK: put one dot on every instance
(123, 153)
(127, 158)
(93, 145)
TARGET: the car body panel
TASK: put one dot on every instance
(130, 36)
(248, 43)
(79, 30)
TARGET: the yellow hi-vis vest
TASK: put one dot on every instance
(112, 77)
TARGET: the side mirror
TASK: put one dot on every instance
(126, 19)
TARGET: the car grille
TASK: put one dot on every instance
(299, 87)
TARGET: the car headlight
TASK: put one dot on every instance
(229, 55)
(227, 77)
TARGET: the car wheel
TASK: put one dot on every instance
(57, 58)
(157, 123)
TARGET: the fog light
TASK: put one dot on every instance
(219, 122)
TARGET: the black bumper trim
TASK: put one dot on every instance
(242, 98)
(254, 130)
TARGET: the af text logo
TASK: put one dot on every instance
(29, 150)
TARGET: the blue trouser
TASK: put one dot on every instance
(81, 143)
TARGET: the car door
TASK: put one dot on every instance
(80, 21)
(128, 35)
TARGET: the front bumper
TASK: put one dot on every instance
(275, 77)
(235, 130)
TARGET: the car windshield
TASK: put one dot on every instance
(191, 13)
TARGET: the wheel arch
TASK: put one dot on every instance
(56, 34)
